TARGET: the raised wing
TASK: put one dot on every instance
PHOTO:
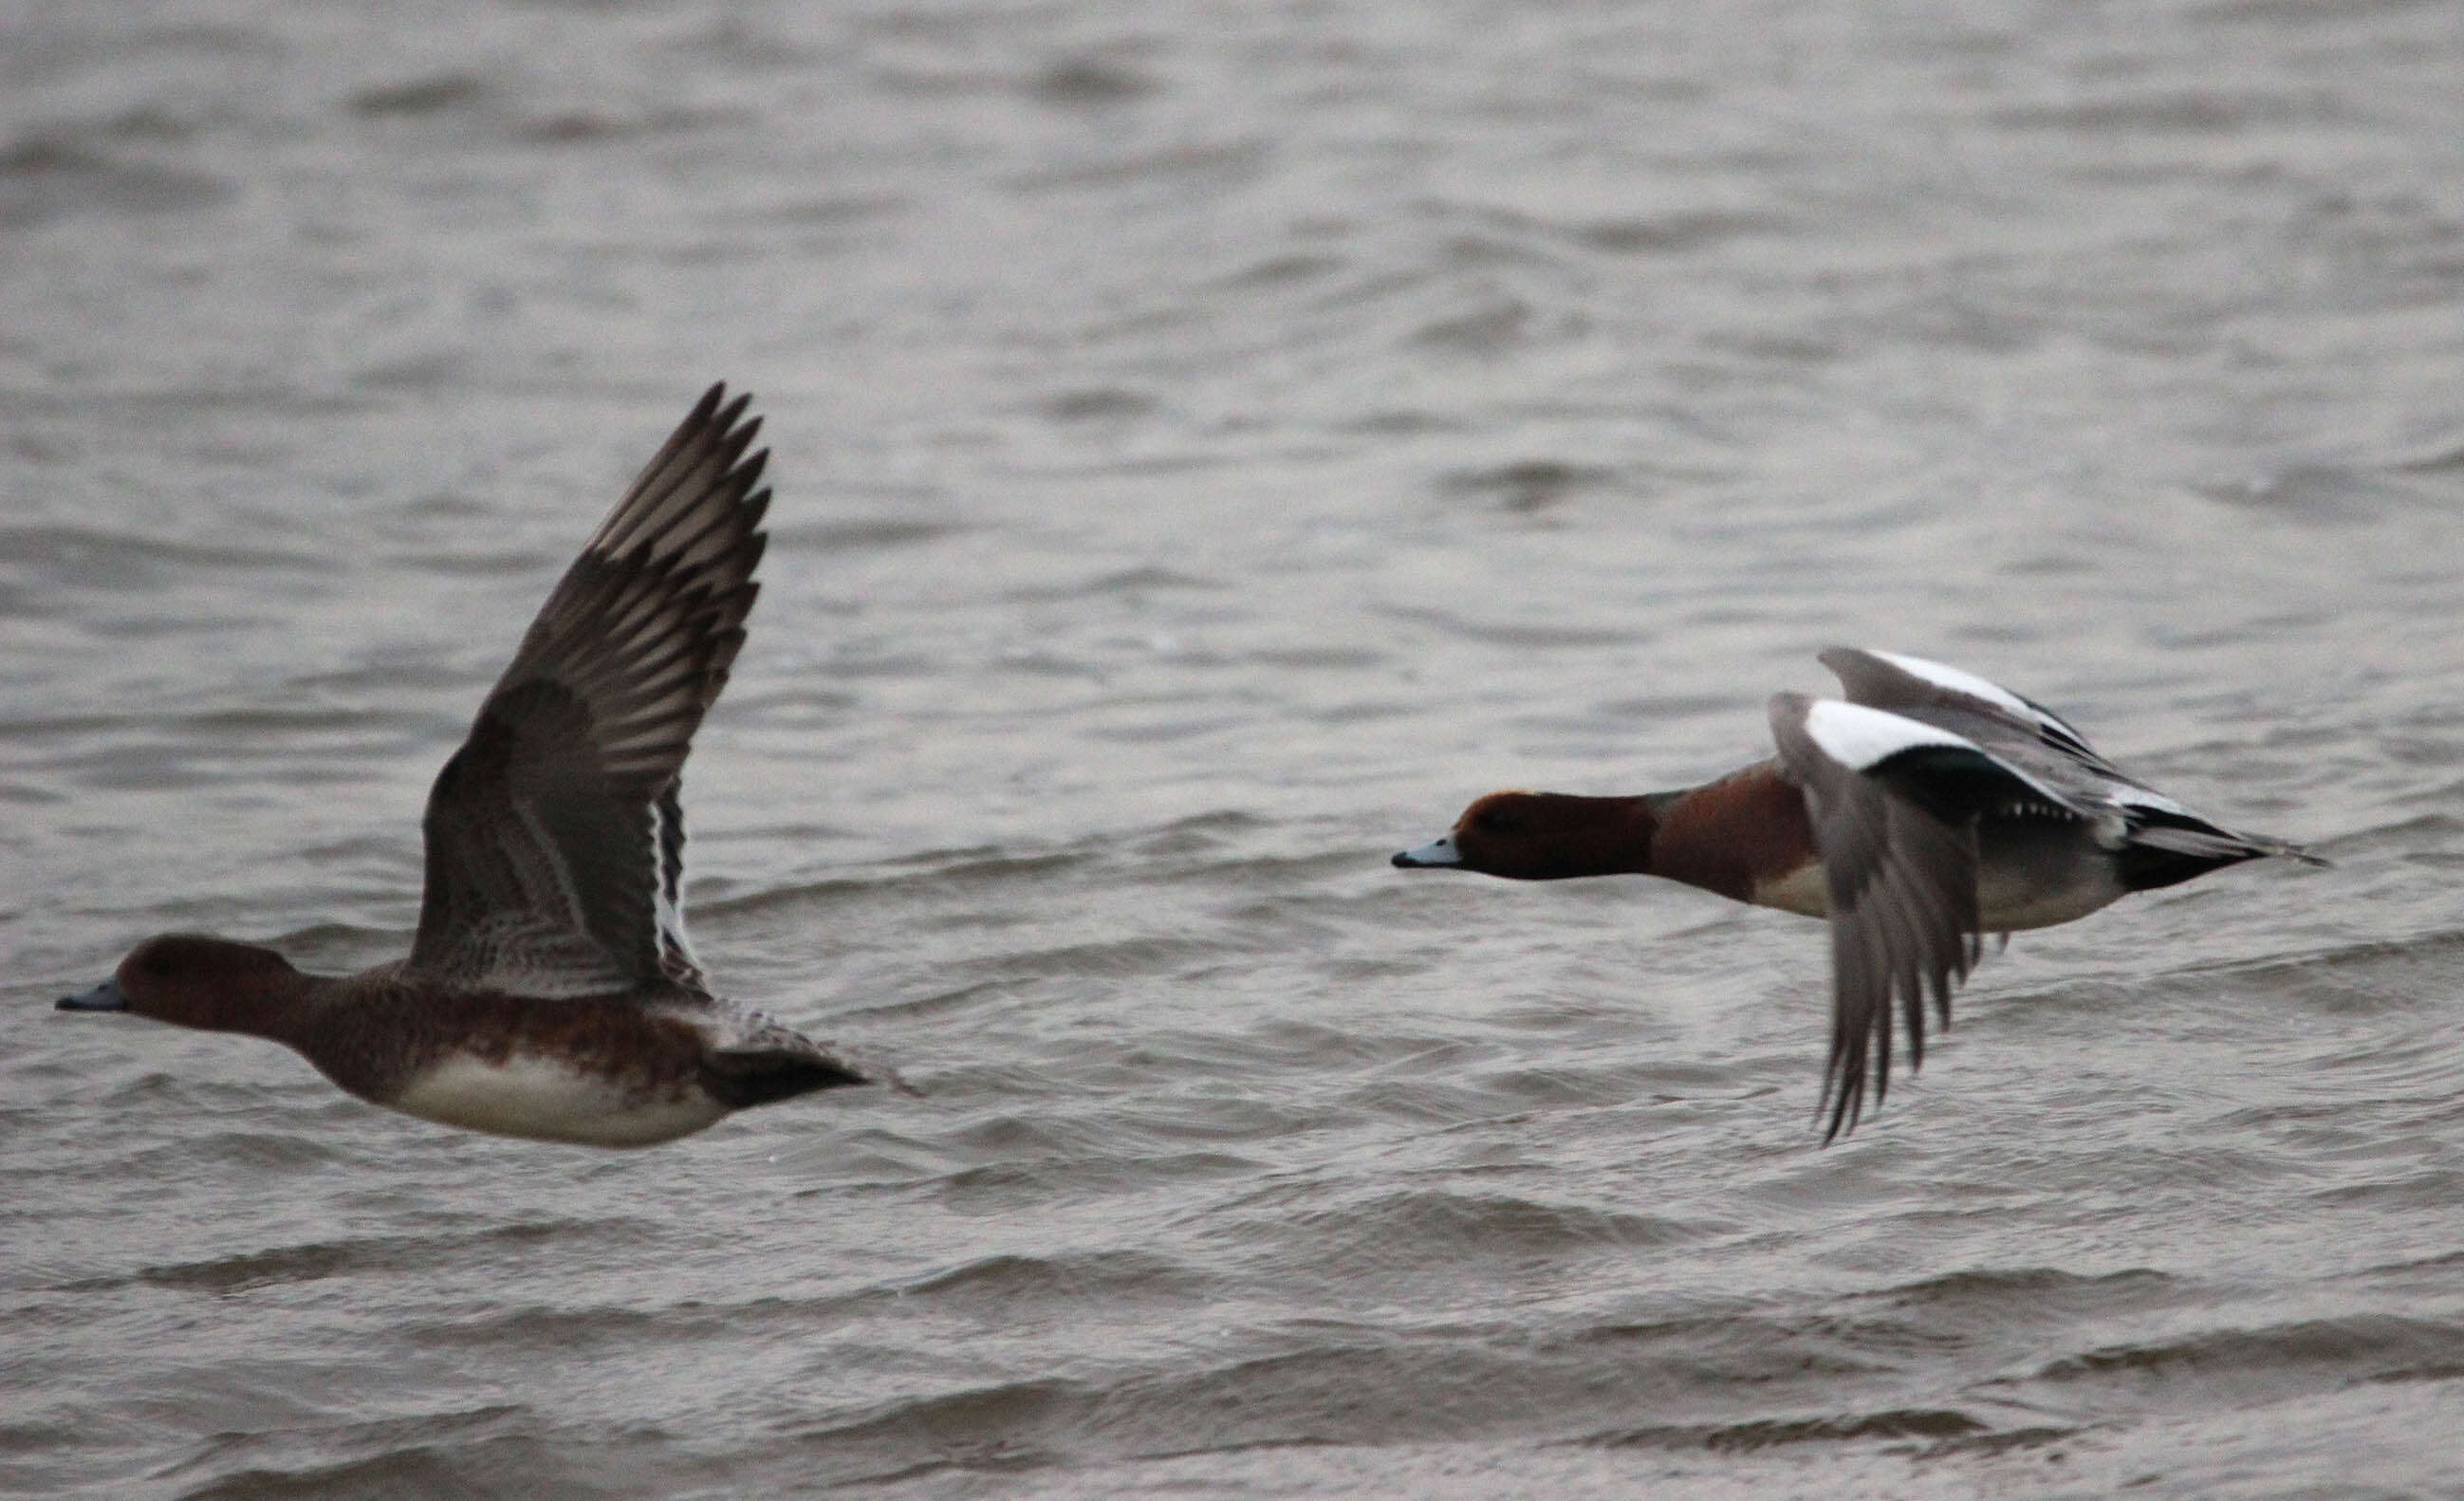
(556, 834)
(2158, 839)
(1934, 692)
(1894, 803)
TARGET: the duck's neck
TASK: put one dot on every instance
(276, 1007)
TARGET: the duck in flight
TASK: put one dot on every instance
(1927, 807)
(549, 992)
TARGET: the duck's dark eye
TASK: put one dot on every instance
(1496, 821)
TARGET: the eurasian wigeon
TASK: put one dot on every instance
(550, 992)
(1927, 808)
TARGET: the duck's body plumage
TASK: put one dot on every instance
(1923, 808)
(550, 991)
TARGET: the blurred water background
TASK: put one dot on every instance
(1213, 443)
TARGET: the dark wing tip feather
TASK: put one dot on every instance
(631, 649)
(1903, 930)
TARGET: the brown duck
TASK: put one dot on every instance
(549, 991)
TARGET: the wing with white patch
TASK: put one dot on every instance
(2045, 750)
(554, 834)
(1912, 685)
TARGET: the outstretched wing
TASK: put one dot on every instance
(1912, 685)
(2019, 732)
(556, 834)
(1894, 803)
(2157, 839)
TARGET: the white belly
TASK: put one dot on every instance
(545, 1100)
(2015, 903)
(2009, 899)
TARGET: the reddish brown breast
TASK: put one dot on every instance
(376, 1034)
(1746, 830)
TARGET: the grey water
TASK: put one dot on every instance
(1213, 444)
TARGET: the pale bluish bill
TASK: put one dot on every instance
(1436, 851)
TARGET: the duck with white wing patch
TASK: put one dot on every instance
(1926, 808)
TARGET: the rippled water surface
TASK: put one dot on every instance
(1214, 444)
